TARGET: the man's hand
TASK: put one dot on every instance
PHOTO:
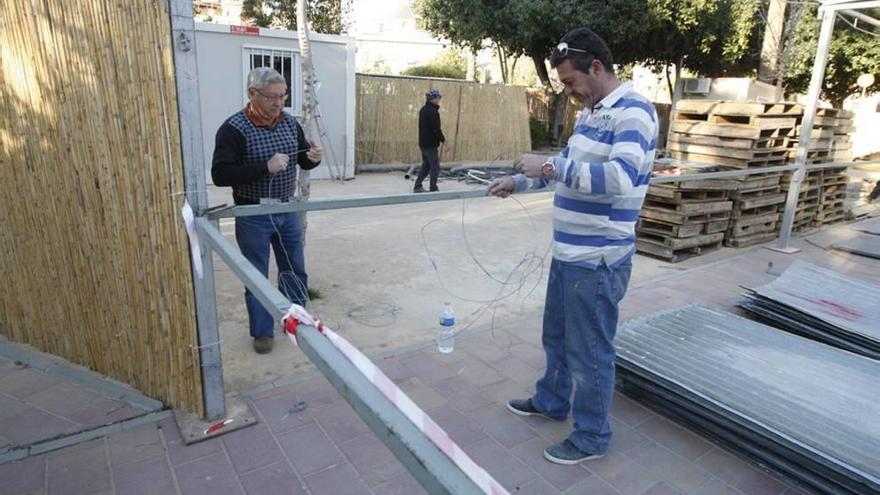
(502, 187)
(278, 162)
(530, 165)
(315, 153)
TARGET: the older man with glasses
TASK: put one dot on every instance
(600, 181)
(257, 151)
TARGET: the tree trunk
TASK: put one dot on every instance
(678, 69)
(668, 82)
(541, 69)
(558, 105)
(502, 61)
(771, 50)
(787, 49)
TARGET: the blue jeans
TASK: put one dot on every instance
(283, 232)
(580, 321)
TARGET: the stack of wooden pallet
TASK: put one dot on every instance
(821, 136)
(808, 198)
(757, 202)
(841, 146)
(832, 196)
(683, 219)
(732, 134)
(738, 135)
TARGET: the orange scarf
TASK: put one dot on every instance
(260, 120)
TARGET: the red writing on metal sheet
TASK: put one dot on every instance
(251, 30)
(832, 307)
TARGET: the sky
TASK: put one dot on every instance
(367, 12)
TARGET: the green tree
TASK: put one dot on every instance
(711, 38)
(325, 16)
(851, 54)
(450, 63)
(533, 27)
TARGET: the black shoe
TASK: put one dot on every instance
(568, 454)
(418, 188)
(434, 189)
(263, 345)
(524, 407)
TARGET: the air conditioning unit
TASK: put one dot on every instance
(699, 86)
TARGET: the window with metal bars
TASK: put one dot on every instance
(287, 63)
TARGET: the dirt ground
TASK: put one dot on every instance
(379, 287)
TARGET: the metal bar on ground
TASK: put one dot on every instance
(187, 78)
(726, 174)
(797, 177)
(341, 203)
(424, 460)
(366, 201)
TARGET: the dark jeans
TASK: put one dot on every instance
(580, 320)
(283, 232)
(430, 163)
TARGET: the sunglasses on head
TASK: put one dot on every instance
(562, 49)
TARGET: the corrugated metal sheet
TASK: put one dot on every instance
(807, 408)
(851, 305)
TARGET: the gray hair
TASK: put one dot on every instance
(261, 77)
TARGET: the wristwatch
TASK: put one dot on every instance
(548, 169)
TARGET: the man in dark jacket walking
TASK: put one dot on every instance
(430, 138)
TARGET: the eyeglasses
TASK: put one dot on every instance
(272, 97)
(562, 49)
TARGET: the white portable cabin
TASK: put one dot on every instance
(226, 54)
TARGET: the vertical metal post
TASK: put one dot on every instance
(186, 75)
(797, 177)
(348, 168)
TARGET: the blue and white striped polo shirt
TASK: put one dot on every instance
(601, 180)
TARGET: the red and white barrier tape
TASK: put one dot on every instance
(297, 314)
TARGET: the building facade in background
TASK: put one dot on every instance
(219, 11)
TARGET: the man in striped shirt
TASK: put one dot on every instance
(600, 179)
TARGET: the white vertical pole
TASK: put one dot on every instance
(806, 131)
(350, 108)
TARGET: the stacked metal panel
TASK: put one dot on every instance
(865, 245)
(821, 304)
(803, 408)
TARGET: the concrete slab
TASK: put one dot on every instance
(194, 428)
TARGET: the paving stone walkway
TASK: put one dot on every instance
(36, 406)
(326, 449)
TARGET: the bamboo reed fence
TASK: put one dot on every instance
(95, 264)
(481, 122)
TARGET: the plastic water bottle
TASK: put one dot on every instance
(446, 335)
